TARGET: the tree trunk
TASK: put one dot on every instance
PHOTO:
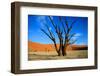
(64, 51)
(59, 53)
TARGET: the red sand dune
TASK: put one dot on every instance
(50, 47)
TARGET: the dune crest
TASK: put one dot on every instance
(33, 46)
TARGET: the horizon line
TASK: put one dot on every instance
(57, 43)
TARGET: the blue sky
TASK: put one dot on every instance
(36, 22)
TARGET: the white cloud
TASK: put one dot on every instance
(51, 17)
(50, 28)
(74, 38)
(78, 34)
(41, 20)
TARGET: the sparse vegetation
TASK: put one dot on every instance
(47, 52)
(77, 54)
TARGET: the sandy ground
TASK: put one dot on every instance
(77, 54)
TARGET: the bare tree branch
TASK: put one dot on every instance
(71, 36)
(62, 24)
(66, 22)
(72, 42)
(63, 31)
(46, 33)
(72, 24)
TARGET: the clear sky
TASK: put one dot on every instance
(36, 22)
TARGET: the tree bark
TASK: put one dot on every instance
(64, 51)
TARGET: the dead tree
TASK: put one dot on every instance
(67, 37)
(63, 33)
